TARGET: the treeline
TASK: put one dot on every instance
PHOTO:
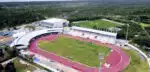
(14, 17)
(142, 41)
(131, 12)
(133, 28)
(147, 29)
(135, 33)
(77, 11)
(140, 18)
(10, 67)
(71, 19)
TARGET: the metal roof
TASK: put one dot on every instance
(54, 20)
(24, 40)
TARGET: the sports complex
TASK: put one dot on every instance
(85, 50)
(115, 59)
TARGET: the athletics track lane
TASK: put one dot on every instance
(116, 63)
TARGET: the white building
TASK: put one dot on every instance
(52, 23)
(25, 39)
(103, 36)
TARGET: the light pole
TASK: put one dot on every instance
(127, 33)
(100, 58)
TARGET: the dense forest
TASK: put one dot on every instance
(13, 14)
(13, 17)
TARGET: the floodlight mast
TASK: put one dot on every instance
(127, 33)
(100, 67)
(100, 58)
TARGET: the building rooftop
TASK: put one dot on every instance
(24, 40)
(6, 33)
(54, 20)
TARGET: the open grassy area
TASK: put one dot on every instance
(97, 23)
(22, 67)
(136, 63)
(145, 25)
(76, 50)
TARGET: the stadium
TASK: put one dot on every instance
(82, 49)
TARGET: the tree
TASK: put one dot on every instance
(1, 53)
(10, 67)
(1, 67)
(142, 40)
(94, 27)
(1, 7)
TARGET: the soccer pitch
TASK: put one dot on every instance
(76, 50)
(97, 23)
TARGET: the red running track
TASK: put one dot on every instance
(117, 59)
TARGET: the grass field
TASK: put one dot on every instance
(22, 67)
(145, 25)
(136, 63)
(97, 23)
(83, 52)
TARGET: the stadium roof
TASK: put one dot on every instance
(54, 20)
(94, 31)
(24, 40)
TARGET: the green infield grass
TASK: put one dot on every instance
(95, 23)
(137, 64)
(76, 50)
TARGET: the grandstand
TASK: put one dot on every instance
(103, 36)
(25, 39)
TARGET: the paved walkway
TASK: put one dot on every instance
(52, 65)
(113, 21)
(4, 63)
